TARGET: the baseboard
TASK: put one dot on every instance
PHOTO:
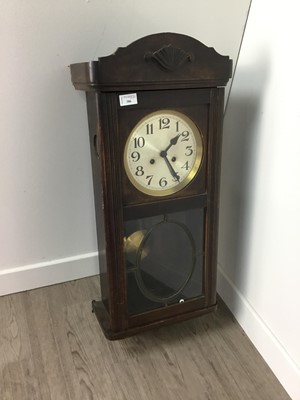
(266, 342)
(13, 280)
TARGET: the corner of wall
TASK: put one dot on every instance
(265, 341)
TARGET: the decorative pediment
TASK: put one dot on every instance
(161, 60)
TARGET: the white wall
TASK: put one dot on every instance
(47, 223)
(259, 267)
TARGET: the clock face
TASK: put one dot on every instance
(163, 153)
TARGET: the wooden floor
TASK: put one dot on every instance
(51, 347)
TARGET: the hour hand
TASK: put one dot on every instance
(173, 141)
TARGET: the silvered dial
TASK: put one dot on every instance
(163, 153)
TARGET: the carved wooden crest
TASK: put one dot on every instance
(169, 58)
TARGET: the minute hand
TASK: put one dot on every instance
(171, 169)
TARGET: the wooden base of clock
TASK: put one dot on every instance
(103, 319)
(155, 111)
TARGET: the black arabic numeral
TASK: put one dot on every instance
(149, 177)
(186, 166)
(139, 142)
(189, 151)
(139, 170)
(163, 182)
(164, 123)
(149, 129)
(185, 135)
(135, 155)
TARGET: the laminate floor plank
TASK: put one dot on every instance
(47, 363)
(52, 348)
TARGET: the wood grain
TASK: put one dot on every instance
(52, 347)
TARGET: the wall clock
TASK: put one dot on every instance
(155, 123)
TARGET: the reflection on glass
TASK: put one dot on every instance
(164, 259)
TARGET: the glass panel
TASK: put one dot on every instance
(164, 259)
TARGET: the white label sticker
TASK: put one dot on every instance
(128, 99)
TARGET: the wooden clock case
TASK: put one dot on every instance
(165, 71)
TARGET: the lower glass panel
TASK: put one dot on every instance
(164, 259)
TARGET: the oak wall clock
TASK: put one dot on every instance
(155, 113)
